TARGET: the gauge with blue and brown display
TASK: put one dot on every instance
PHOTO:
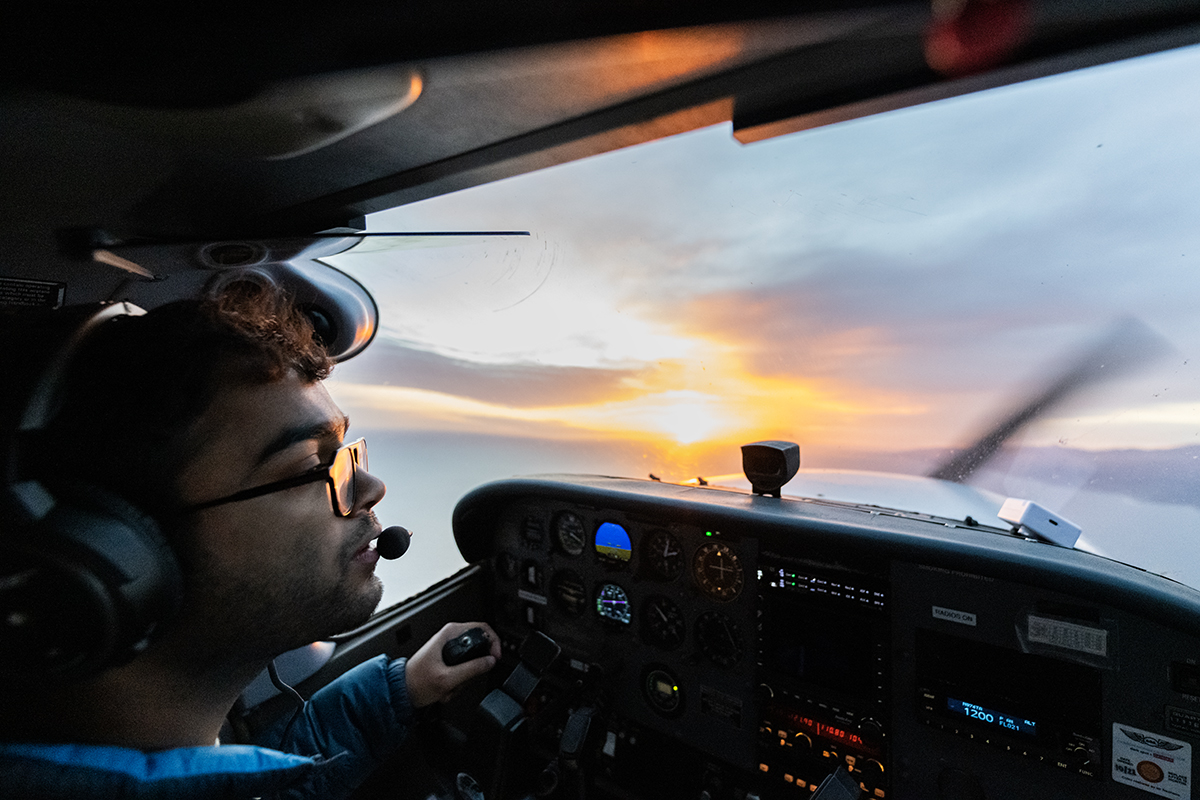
(613, 604)
(612, 543)
(718, 571)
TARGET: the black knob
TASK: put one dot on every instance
(872, 771)
(1078, 755)
(871, 728)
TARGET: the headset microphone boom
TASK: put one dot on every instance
(393, 542)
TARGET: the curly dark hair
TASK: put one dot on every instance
(139, 382)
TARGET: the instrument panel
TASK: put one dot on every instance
(750, 645)
(666, 608)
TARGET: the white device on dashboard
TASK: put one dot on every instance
(1043, 523)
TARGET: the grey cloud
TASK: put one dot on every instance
(861, 322)
(517, 385)
(956, 319)
(1155, 476)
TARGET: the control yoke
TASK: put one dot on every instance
(503, 710)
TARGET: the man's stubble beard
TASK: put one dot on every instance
(231, 620)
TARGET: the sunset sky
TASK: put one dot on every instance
(881, 285)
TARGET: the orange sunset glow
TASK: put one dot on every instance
(681, 410)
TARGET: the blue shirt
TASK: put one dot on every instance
(343, 733)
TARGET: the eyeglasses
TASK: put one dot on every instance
(340, 473)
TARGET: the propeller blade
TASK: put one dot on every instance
(1128, 344)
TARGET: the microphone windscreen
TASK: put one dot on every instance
(393, 542)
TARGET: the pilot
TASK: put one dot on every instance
(178, 413)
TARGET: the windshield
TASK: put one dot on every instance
(881, 291)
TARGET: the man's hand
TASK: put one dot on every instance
(430, 680)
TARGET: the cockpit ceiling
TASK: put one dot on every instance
(135, 128)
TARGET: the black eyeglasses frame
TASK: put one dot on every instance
(356, 451)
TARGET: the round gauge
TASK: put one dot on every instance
(663, 623)
(569, 533)
(717, 571)
(662, 691)
(613, 604)
(569, 592)
(720, 638)
(664, 555)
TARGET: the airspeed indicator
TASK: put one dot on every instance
(569, 533)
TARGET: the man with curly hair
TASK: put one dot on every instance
(213, 419)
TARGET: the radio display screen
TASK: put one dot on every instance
(1031, 696)
(990, 717)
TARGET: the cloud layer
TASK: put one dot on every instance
(520, 385)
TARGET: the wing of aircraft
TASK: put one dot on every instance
(710, 643)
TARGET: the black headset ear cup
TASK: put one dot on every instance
(84, 588)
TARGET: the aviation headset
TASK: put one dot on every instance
(86, 579)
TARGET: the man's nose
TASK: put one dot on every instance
(368, 490)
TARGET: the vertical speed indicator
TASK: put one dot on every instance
(717, 571)
(663, 623)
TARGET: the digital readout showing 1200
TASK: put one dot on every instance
(981, 714)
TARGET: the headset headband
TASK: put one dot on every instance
(45, 399)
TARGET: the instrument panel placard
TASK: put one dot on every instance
(1151, 762)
